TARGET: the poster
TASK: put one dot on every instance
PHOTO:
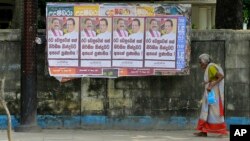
(160, 44)
(96, 42)
(112, 40)
(128, 39)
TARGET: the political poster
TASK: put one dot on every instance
(113, 40)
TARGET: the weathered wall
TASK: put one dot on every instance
(157, 102)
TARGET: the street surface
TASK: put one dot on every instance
(109, 135)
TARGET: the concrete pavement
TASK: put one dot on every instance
(109, 135)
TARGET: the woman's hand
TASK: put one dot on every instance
(211, 85)
(209, 88)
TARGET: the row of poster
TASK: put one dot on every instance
(112, 40)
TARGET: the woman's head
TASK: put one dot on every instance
(204, 60)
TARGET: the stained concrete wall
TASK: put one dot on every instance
(155, 102)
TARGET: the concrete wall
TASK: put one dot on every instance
(156, 102)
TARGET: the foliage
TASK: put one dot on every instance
(245, 16)
(246, 10)
(228, 16)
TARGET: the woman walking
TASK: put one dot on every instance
(211, 118)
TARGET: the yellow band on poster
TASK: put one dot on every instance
(145, 11)
(87, 10)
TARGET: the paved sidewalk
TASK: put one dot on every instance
(109, 135)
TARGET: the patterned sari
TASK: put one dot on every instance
(212, 116)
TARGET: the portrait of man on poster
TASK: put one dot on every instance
(103, 26)
(136, 33)
(121, 29)
(88, 30)
(153, 31)
(168, 30)
(70, 25)
(55, 29)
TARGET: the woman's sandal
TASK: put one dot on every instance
(201, 134)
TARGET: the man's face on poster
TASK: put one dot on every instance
(121, 25)
(89, 25)
(168, 27)
(154, 25)
(103, 26)
(70, 26)
(135, 27)
(56, 24)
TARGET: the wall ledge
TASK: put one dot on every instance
(10, 34)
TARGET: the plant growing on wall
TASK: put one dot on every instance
(245, 15)
(3, 102)
(246, 11)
